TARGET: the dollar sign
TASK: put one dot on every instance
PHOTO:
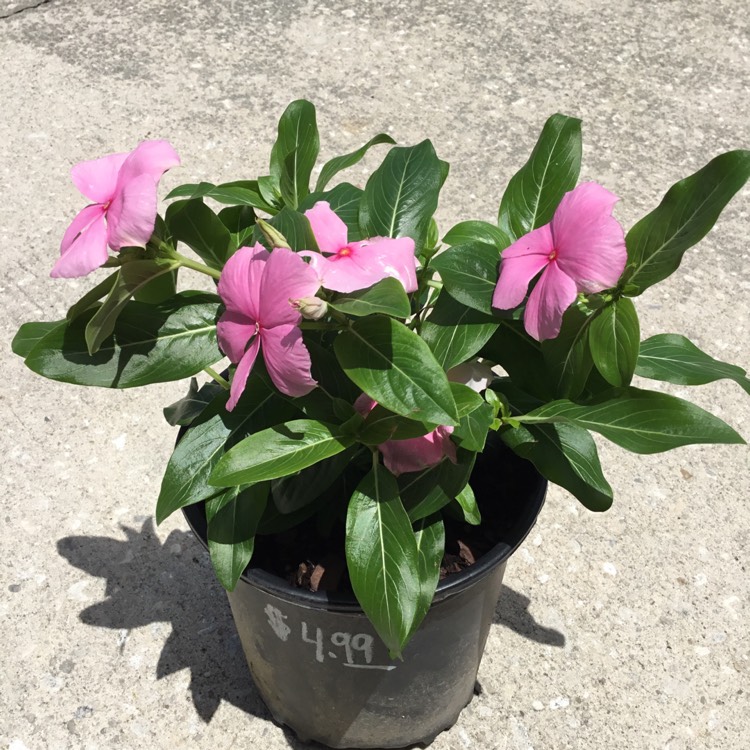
(276, 621)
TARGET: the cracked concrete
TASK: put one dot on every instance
(8, 8)
(627, 630)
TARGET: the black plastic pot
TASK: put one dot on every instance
(321, 668)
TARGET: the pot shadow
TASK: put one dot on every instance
(149, 581)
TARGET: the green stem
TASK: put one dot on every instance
(215, 375)
(195, 266)
(434, 284)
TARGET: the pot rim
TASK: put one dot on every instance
(449, 586)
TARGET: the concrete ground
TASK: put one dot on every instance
(627, 630)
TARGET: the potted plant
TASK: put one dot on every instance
(383, 407)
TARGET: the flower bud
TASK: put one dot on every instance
(273, 236)
(311, 308)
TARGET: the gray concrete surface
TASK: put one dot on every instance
(627, 630)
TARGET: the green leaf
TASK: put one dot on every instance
(196, 225)
(339, 163)
(132, 277)
(640, 421)
(472, 430)
(477, 231)
(381, 425)
(690, 208)
(566, 455)
(298, 490)
(278, 452)
(396, 368)
(387, 297)
(196, 454)
(381, 554)
(188, 408)
(402, 194)
(295, 151)
(233, 518)
(468, 504)
(151, 344)
(429, 534)
(455, 332)
(675, 359)
(91, 297)
(614, 338)
(30, 334)
(294, 226)
(428, 491)
(520, 356)
(534, 192)
(240, 221)
(238, 193)
(469, 273)
(567, 357)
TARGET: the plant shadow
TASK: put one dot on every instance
(149, 581)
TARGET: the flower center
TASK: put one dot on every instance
(552, 255)
(345, 252)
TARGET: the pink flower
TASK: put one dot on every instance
(412, 454)
(257, 287)
(123, 190)
(415, 454)
(357, 265)
(581, 250)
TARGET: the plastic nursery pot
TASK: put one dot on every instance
(321, 668)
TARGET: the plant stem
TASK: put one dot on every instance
(195, 266)
(215, 375)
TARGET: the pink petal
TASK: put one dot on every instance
(239, 285)
(234, 330)
(287, 360)
(285, 276)
(359, 268)
(84, 245)
(97, 179)
(329, 230)
(553, 294)
(589, 241)
(132, 214)
(364, 404)
(415, 454)
(519, 264)
(151, 158)
(317, 263)
(239, 379)
(395, 258)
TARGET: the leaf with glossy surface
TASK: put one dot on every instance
(279, 451)
(387, 297)
(89, 300)
(468, 504)
(567, 357)
(295, 228)
(472, 430)
(477, 231)
(382, 558)
(396, 368)
(676, 359)
(534, 192)
(193, 223)
(332, 167)
(690, 208)
(429, 534)
(566, 455)
(132, 277)
(233, 519)
(188, 408)
(295, 151)
(150, 344)
(402, 194)
(640, 421)
(455, 332)
(30, 334)
(614, 337)
(196, 454)
(469, 273)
